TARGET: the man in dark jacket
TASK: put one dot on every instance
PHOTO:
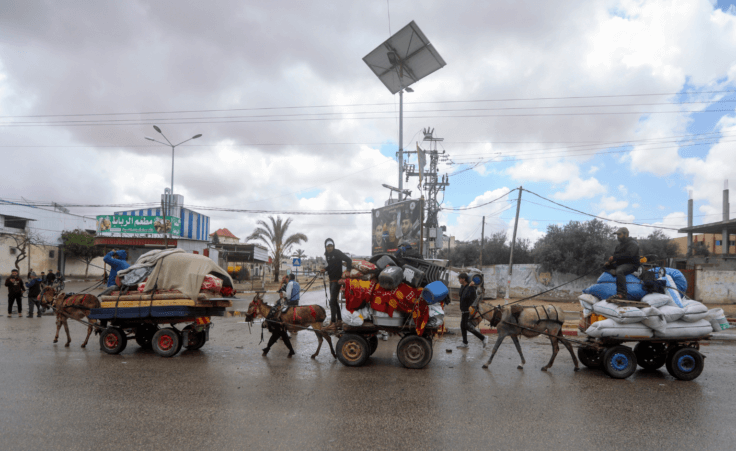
(50, 278)
(15, 292)
(34, 289)
(624, 261)
(467, 299)
(335, 259)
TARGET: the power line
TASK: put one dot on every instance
(481, 205)
(374, 104)
(596, 216)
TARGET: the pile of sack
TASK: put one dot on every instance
(670, 314)
(358, 317)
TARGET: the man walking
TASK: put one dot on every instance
(15, 292)
(335, 259)
(467, 299)
(624, 261)
(34, 290)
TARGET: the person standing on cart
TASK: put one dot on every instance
(624, 261)
(117, 262)
(467, 299)
(335, 259)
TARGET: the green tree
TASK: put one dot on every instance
(577, 247)
(658, 246)
(274, 235)
(299, 253)
(700, 250)
(81, 245)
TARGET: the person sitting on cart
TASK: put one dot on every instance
(335, 259)
(291, 294)
(467, 299)
(624, 261)
(117, 262)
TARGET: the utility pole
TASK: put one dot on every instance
(513, 242)
(482, 236)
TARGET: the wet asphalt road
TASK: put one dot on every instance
(226, 396)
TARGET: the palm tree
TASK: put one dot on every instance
(299, 253)
(273, 235)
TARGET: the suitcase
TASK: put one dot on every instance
(435, 292)
(413, 276)
(390, 277)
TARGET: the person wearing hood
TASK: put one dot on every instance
(335, 259)
(624, 261)
(117, 262)
(34, 290)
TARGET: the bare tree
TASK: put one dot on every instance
(273, 235)
(22, 242)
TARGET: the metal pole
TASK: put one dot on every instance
(482, 236)
(513, 241)
(726, 214)
(690, 224)
(401, 142)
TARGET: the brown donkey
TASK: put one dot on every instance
(534, 320)
(76, 306)
(304, 316)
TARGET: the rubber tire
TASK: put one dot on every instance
(619, 362)
(166, 342)
(650, 356)
(352, 350)
(144, 335)
(113, 340)
(196, 339)
(685, 364)
(590, 357)
(414, 352)
(373, 343)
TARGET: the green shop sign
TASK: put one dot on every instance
(138, 225)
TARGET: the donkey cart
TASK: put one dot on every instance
(681, 357)
(357, 344)
(144, 325)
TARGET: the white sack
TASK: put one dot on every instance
(624, 315)
(694, 311)
(654, 320)
(682, 329)
(436, 310)
(717, 319)
(377, 314)
(351, 319)
(671, 313)
(587, 301)
(611, 329)
(658, 300)
(672, 291)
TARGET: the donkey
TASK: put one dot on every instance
(305, 316)
(533, 320)
(75, 306)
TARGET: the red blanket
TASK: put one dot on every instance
(404, 299)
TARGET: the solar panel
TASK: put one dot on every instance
(404, 58)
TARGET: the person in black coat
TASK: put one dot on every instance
(624, 261)
(335, 259)
(467, 299)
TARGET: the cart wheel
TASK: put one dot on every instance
(352, 350)
(144, 335)
(112, 340)
(619, 362)
(166, 342)
(373, 343)
(590, 357)
(650, 356)
(414, 351)
(685, 364)
(196, 339)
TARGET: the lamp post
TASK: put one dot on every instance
(173, 146)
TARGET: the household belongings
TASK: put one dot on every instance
(356, 318)
(663, 319)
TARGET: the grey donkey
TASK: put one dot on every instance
(539, 319)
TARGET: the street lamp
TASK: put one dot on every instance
(173, 146)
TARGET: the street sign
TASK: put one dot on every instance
(296, 261)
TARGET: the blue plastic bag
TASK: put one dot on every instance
(677, 276)
(606, 287)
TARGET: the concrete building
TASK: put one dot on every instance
(47, 225)
(711, 242)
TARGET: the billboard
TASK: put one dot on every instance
(136, 226)
(394, 224)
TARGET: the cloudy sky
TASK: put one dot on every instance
(615, 108)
